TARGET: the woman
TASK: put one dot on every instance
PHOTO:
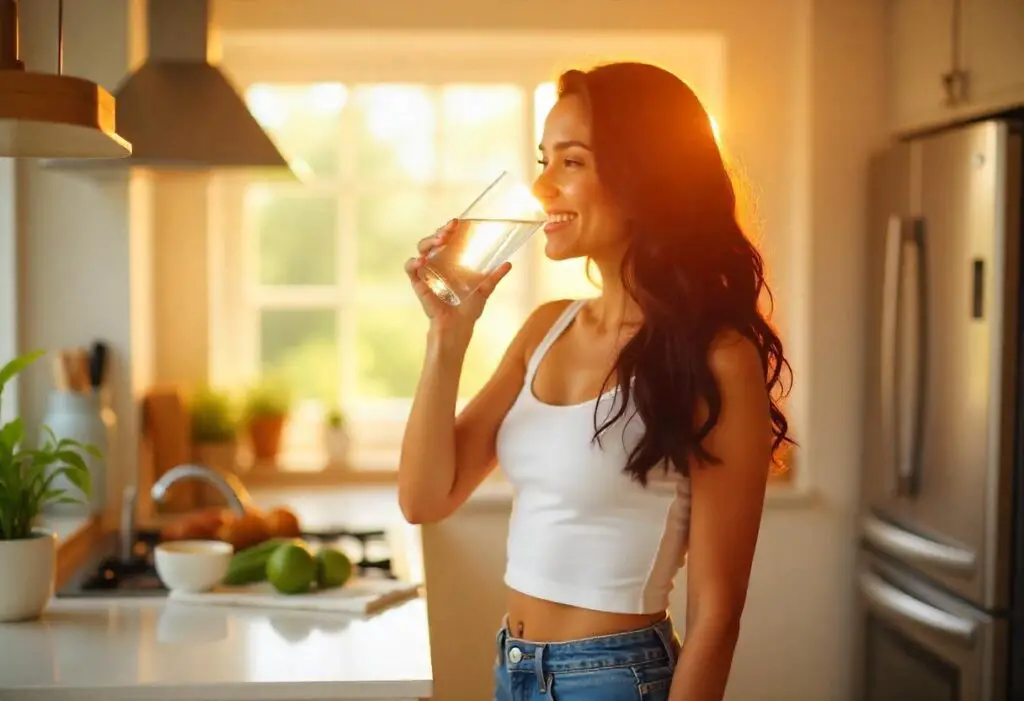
(637, 428)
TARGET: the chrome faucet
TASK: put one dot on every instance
(227, 484)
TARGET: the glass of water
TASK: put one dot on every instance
(492, 228)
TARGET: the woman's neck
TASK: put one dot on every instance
(614, 309)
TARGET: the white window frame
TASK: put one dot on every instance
(526, 59)
(8, 281)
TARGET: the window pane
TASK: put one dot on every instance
(304, 120)
(483, 131)
(395, 132)
(391, 343)
(544, 98)
(300, 346)
(389, 225)
(391, 222)
(492, 335)
(297, 237)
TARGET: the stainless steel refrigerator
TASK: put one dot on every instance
(940, 556)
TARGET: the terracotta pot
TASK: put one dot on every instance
(265, 434)
(221, 456)
(27, 570)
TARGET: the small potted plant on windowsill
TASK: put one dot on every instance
(336, 438)
(28, 553)
(214, 429)
(266, 409)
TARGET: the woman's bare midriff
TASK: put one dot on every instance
(539, 620)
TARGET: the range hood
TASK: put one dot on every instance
(51, 115)
(178, 110)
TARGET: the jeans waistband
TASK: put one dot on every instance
(655, 642)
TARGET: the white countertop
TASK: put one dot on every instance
(148, 649)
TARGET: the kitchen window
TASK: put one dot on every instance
(319, 298)
(392, 133)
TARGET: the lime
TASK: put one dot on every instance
(333, 568)
(291, 568)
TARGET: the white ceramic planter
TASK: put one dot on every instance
(27, 569)
(336, 445)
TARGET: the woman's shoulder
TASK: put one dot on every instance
(539, 322)
(534, 328)
(543, 317)
(547, 313)
(733, 356)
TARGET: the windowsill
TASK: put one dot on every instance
(258, 479)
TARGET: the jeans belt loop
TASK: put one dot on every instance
(538, 662)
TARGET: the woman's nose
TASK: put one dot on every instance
(543, 189)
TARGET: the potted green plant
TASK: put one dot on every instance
(266, 408)
(28, 483)
(214, 429)
(336, 437)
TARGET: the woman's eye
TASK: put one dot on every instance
(567, 163)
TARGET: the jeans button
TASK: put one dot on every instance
(514, 655)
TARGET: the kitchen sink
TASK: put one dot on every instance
(108, 574)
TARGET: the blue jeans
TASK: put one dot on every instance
(632, 666)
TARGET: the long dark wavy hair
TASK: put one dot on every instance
(689, 265)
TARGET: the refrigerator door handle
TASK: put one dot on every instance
(909, 466)
(892, 274)
(909, 546)
(891, 602)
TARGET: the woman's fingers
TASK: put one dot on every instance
(440, 236)
(428, 300)
(492, 280)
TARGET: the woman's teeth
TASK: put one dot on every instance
(561, 217)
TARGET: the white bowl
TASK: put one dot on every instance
(192, 565)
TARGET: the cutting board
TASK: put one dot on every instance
(359, 595)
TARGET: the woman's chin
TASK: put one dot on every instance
(556, 249)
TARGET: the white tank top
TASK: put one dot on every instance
(582, 531)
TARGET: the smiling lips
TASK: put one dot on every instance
(558, 220)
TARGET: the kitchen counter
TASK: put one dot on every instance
(153, 650)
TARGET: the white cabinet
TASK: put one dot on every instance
(920, 54)
(464, 563)
(992, 45)
(951, 60)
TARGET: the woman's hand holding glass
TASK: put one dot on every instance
(446, 319)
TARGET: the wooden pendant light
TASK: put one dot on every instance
(51, 115)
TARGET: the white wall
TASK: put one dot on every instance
(75, 232)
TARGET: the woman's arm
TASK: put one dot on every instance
(444, 458)
(727, 500)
